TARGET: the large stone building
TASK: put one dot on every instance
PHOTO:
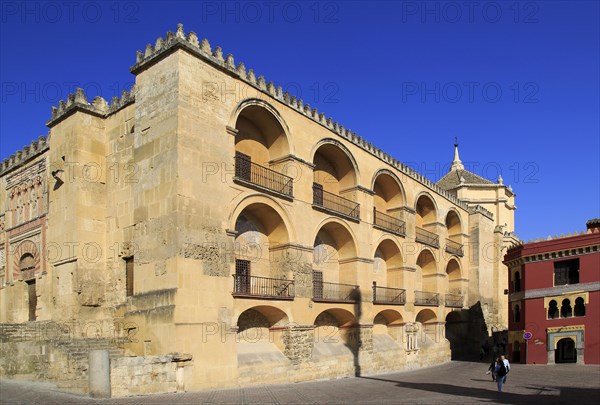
(209, 216)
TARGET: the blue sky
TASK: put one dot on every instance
(516, 82)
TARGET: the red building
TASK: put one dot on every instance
(554, 294)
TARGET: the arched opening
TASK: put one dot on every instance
(27, 262)
(517, 313)
(517, 281)
(553, 310)
(334, 330)
(388, 202)
(426, 281)
(427, 319)
(454, 243)
(579, 307)
(334, 275)
(260, 140)
(259, 335)
(387, 274)
(565, 310)
(333, 178)
(387, 330)
(566, 352)
(260, 135)
(457, 333)
(27, 267)
(426, 221)
(258, 271)
(454, 286)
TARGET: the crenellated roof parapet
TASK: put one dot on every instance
(556, 237)
(35, 148)
(98, 107)
(202, 49)
(478, 209)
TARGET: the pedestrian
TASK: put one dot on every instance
(506, 365)
(492, 368)
(502, 369)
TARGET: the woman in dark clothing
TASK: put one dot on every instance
(492, 368)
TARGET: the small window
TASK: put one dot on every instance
(129, 276)
(566, 272)
(565, 310)
(517, 313)
(553, 310)
(27, 262)
(517, 281)
(579, 307)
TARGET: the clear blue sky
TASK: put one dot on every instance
(517, 82)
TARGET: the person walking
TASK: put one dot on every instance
(502, 369)
(492, 368)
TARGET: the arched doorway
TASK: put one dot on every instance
(456, 331)
(27, 267)
(565, 351)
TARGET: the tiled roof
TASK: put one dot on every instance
(452, 179)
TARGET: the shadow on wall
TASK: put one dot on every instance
(466, 331)
(354, 342)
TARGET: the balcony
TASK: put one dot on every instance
(262, 287)
(333, 292)
(388, 223)
(427, 298)
(426, 237)
(453, 300)
(454, 248)
(335, 203)
(262, 177)
(390, 296)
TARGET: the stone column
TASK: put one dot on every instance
(99, 374)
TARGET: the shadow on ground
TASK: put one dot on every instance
(565, 395)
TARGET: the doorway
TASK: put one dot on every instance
(32, 299)
(565, 351)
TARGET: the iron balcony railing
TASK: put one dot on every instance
(334, 292)
(426, 237)
(334, 202)
(262, 287)
(427, 298)
(386, 295)
(262, 176)
(389, 223)
(454, 300)
(454, 248)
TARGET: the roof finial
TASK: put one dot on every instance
(456, 164)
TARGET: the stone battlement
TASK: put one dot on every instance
(21, 156)
(202, 49)
(99, 106)
(556, 237)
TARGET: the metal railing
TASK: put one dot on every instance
(334, 202)
(389, 223)
(262, 176)
(262, 287)
(453, 300)
(386, 295)
(454, 247)
(335, 292)
(426, 237)
(427, 298)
